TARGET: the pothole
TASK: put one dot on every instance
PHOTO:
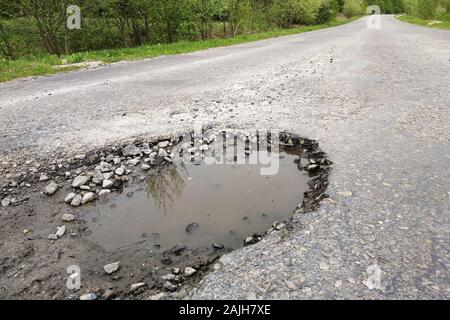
(199, 205)
(158, 212)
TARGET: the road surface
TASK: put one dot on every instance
(377, 101)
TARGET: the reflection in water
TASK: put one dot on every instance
(165, 187)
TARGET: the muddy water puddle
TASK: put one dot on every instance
(198, 205)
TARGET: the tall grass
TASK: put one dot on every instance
(46, 64)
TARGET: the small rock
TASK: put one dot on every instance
(218, 246)
(131, 150)
(162, 153)
(109, 158)
(163, 144)
(107, 175)
(189, 271)
(68, 217)
(170, 286)
(104, 192)
(61, 231)
(98, 177)
(43, 178)
(157, 296)
(191, 227)
(52, 236)
(145, 167)
(80, 156)
(312, 167)
(169, 277)
(76, 201)
(249, 240)
(112, 267)
(120, 171)
(88, 197)
(136, 286)
(107, 184)
(51, 189)
(6, 202)
(69, 197)
(79, 181)
(89, 296)
(134, 162)
(280, 226)
(338, 284)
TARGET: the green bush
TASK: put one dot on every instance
(352, 8)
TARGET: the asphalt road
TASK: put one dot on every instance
(377, 101)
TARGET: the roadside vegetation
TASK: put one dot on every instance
(429, 13)
(45, 64)
(34, 38)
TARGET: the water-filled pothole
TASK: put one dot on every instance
(200, 205)
(183, 202)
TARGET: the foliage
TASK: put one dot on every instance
(39, 26)
(48, 64)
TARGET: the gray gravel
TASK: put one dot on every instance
(377, 101)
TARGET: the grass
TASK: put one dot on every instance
(50, 64)
(422, 22)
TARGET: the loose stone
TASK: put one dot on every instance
(107, 184)
(218, 246)
(162, 153)
(76, 201)
(6, 202)
(79, 181)
(169, 277)
(88, 197)
(104, 192)
(68, 217)
(89, 296)
(120, 171)
(52, 236)
(131, 150)
(163, 144)
(170, 286)
(61, 231)
(136, 286)
(69, 197)
(112, 267)
(191, 227)
(51, 189)
(189, 271)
